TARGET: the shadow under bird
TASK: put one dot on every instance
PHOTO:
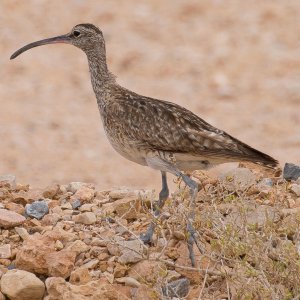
(151, 132)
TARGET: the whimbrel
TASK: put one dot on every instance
(151, 132)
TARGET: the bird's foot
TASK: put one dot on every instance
(192, 239)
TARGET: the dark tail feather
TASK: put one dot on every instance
(252, 155)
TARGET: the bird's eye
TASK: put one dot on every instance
(76, 33)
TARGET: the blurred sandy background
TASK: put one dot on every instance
(234, 63)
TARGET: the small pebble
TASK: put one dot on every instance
(37, 209)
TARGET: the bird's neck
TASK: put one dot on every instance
(101, 78)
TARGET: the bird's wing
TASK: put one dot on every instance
(161, 125)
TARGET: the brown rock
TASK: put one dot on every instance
(78, 247)
(145, 293)
(73, 187)
(59, 289)
(84, 194)
(128, 208)
(9, 219)
(18, 208)
(120, 270)
(22, 285)
(22, 232)
(51, 191)
(87, 218)
(8, 180)
(5, 251)
(147, 271)
(80, 276)
(30, 196)
(38, 255)
(50, 219)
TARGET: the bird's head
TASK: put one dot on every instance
(87, 37)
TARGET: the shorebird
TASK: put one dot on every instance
(151, 132)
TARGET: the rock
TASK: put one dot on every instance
(291, 171)
(38, 255)
(37, 209)
(50, 219)
(238, 179)
(9, 219)
(131, 251)
(144, 292)
(78, 247)
(76, 203)
(22, 285)
(178, 288)
(5, 251)
(80, 276)
(127, 208)
(87, 218)
(22, 232)
(24, 197)
(58, 245)
(119, 270)
(121, 193)
(91, 264)
(84, 194)
(147, 271)
(254, 215)
(2, 297)
(9, 180)
(86, 207)
(73, 187)
(128, 281)
(296, 189)
(59, 289)
(18, 208)
(66, 205)
(51, 191)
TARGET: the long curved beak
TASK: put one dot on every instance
(58, 39)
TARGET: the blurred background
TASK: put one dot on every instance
(234, 63)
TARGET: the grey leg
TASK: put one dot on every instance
(190, 229)
(163, 196)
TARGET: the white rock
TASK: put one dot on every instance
(128, 281)
(296, 189)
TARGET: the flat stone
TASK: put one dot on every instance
(5, 251)
(86, 207)
(131, 251)
(22, 232)
(291, 171)
(22, 285)
(129, 281)
(91, 264)
(178, 288)
(9, 219)
(87, 218)
(37, 209)
(78, 247)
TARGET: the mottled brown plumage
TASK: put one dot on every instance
(151, 132)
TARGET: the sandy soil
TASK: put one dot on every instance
(234, 63)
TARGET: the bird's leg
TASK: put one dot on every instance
(193, 185)
(163, 196)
